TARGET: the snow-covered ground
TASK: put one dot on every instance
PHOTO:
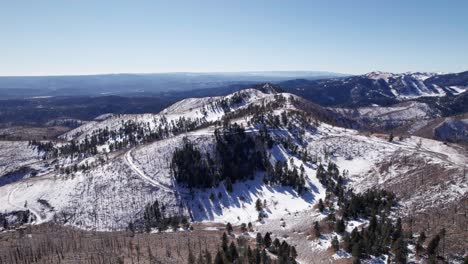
(109, 196)
(15, 154)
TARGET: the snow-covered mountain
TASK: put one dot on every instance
(380, 88)
(103, 174)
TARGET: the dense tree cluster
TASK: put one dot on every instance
(282, 174)
(15, 219)
(380, 237)
(239, 251)
(239, 156)
(370, 203)
(155, 216)
(191, 167)
(236, 157)
(383, 234)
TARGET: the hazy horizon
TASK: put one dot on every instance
(50, 38)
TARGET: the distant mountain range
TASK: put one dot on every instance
(141, 84)
(378, 88)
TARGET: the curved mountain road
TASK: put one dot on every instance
(39, 219)
(142, 175)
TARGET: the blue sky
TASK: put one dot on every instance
(86, 37)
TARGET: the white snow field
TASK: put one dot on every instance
(109, 196)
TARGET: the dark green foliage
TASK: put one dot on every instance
(188, 166)
(237, 153)
(258, 205)
(233, 254)
(155, 216)
(433, 245)
(22, 217)
(316, 229)
(229, 228)
(219, 258)
(282, 174)
(356, 250)
(259, 239)
(237, 157)
(335, 244)
(267, 240)
(224, 242)
(340, 226)
(400, 250)
(420, 242)
(321, 207)
(238, 251)
(381, 235)
(370, 203)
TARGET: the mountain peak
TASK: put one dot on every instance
(377, 75)
(268, 88)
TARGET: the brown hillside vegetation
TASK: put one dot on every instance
(50, 244)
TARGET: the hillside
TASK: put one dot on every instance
(379, 88)
(258, 156)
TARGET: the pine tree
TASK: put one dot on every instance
(340, 226)
(293, 252)
(228, 184)
(356, 251)
(243, 228)
(258, 205)
(335, 244)
(218, 258)
(224, 243)
(267, 240)
(400, 251)
(433, 244)
(316, 229)
(259, 239)
(233, 252)
(321, 207)
(420, 243)
(229, 228)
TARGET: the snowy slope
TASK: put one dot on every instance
(110, 195)
(412, 85)
(16, 154)
(389, 117)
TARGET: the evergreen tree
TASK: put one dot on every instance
(228, 185)
(321, 207)
(400, 251)
(233, 252)
(356, 251)
(259, 239)
(340, 226)
(258, 205)
(433, 244)
(218, 258)
(335, 244)
(420, 242)
(316, 229)
(229, 228)
(267, 240)
(224, 242)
